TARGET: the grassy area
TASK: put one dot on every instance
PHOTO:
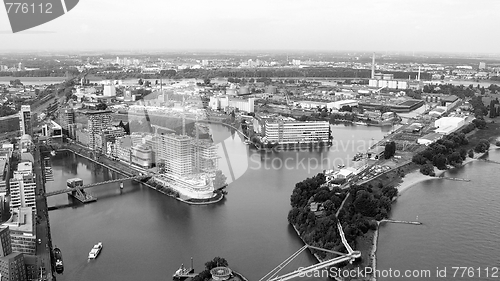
(490, 133)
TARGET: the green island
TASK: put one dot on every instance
(317, 206)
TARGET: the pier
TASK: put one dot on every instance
(455, 179)
(398, 221)
(490, 161)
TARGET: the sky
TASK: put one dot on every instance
(465, 26)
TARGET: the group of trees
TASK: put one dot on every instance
(358, 215)
(390, 149)
(6, 111)
(446, 151)
(209, 265)
(482, 146)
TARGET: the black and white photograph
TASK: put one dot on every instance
(322, 140)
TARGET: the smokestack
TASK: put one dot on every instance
(418, 77)
(373, 66)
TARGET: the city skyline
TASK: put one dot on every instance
(381, 26)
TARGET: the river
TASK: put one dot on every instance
(147, 235)
(460, 226)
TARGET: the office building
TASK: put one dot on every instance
(22, 230)
(68, 122)
(107, 135)
(174, 154)
(97, 122)
(25, 120)
(12, 265)
(205, 158)
(22, 186)
(142, 156)
(283, 130)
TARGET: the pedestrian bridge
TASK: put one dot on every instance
(68, 190)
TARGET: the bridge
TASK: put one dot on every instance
(350, 256)
(80, 188)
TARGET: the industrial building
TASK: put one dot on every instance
(447, 125)
(335, 105)
(430, 138)
(224, 102)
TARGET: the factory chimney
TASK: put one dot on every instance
(418, 77)
(373, 66)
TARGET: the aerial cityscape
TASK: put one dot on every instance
(305, 153)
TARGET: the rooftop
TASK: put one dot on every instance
(21, 220)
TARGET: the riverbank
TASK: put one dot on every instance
(408, 181)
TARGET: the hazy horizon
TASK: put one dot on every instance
(392, 26)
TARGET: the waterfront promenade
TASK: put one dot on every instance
(43, 249)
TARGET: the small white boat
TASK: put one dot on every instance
(53, 153)
(95, 251)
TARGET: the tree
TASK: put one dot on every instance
(140, 82)
(216, 262)
(101, 106)
(390, 149)
(427, 170)
(439, 161)
(219, 180)
(471, 153)
(206, 81)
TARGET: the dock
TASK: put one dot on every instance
(398, 221)
(455, 179)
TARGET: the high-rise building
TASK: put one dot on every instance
(205, 158)
(22, 186)
(12, 265)
(5, 245)
(68, 118)
(25, 120)
(22, 230)
(174, 154)
(97, 121)
(482, 65)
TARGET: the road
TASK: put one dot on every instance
(43, 249)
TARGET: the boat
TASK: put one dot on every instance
(59, 261)
(183, 272)
(95, 251)
(53, 153)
